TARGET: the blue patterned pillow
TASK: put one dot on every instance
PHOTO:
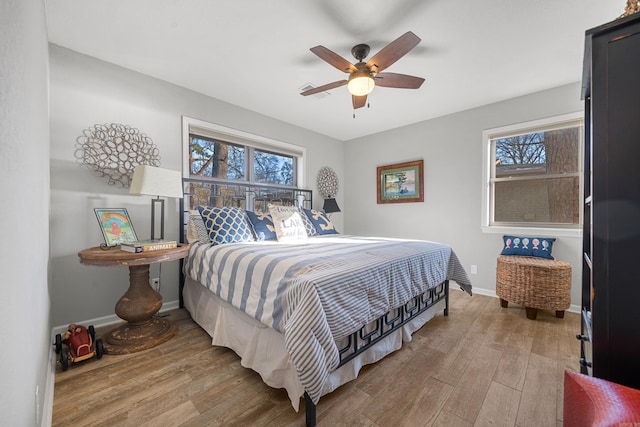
(262, 225)
(226, 225)
(309, 227)
(320, 221)
(528, 246)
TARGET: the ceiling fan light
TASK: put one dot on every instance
(361, 85)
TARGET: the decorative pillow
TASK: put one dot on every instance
(288, 223)
(196, 231)
(309, 227)
(226, 224)
(262, 225)
(528, 246)
(320, 221)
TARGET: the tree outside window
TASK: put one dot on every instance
(536, 177)
(222, 160)
(271, 168)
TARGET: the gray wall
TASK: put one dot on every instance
(86, 91)
(451, 147)
(24, 216)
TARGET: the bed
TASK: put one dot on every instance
(306, 313)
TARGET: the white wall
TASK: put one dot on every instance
(24, 223)
(451, 147)
(86, 91)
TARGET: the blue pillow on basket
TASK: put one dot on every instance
(320, 221)
(528, 246)
(226, 224)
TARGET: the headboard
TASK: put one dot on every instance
(254, 197)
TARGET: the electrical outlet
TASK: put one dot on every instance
(155, 283)
(474, 269)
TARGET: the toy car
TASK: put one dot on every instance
(80, 344)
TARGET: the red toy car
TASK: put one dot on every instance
(80, 344)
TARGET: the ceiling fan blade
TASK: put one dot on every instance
(334, 59)
(324, 88)
(358, 101)
(392, 52)
(401, 81)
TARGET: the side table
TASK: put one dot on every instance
(140, 303)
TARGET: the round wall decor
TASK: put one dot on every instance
(327, 182)
(113, 151)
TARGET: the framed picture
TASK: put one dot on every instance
(116, 226)
(401, 183)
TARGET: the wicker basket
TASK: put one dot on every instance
(535, 283)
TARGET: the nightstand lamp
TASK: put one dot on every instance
(330, 205)
(157, 182)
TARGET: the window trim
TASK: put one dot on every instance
(235, 136)
(488, 169)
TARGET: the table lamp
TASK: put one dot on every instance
(330, 205)
(157, 182)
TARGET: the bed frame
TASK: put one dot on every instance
(254, 197)
(361, 340)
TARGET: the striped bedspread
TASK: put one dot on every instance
(318, 290)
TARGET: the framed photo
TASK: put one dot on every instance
(116, 226)
(401, 183)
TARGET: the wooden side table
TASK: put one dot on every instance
(140, 303)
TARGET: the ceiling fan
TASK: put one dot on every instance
(363, 77)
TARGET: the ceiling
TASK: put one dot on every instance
(255, 54)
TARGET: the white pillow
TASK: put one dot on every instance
(288, 223)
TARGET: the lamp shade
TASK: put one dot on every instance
(156, 182)
(330, 205)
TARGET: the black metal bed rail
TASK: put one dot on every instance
(367, 337)
(361, 340)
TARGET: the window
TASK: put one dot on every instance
(533, 174)
(224, 154)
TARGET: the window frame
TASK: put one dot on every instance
(489, 170)
(251, 142)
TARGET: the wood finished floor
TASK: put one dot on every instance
(480, 366)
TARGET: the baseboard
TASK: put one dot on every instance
(112, 319)
(47, 406)
(492, 293)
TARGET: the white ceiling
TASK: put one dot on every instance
(255, 54)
